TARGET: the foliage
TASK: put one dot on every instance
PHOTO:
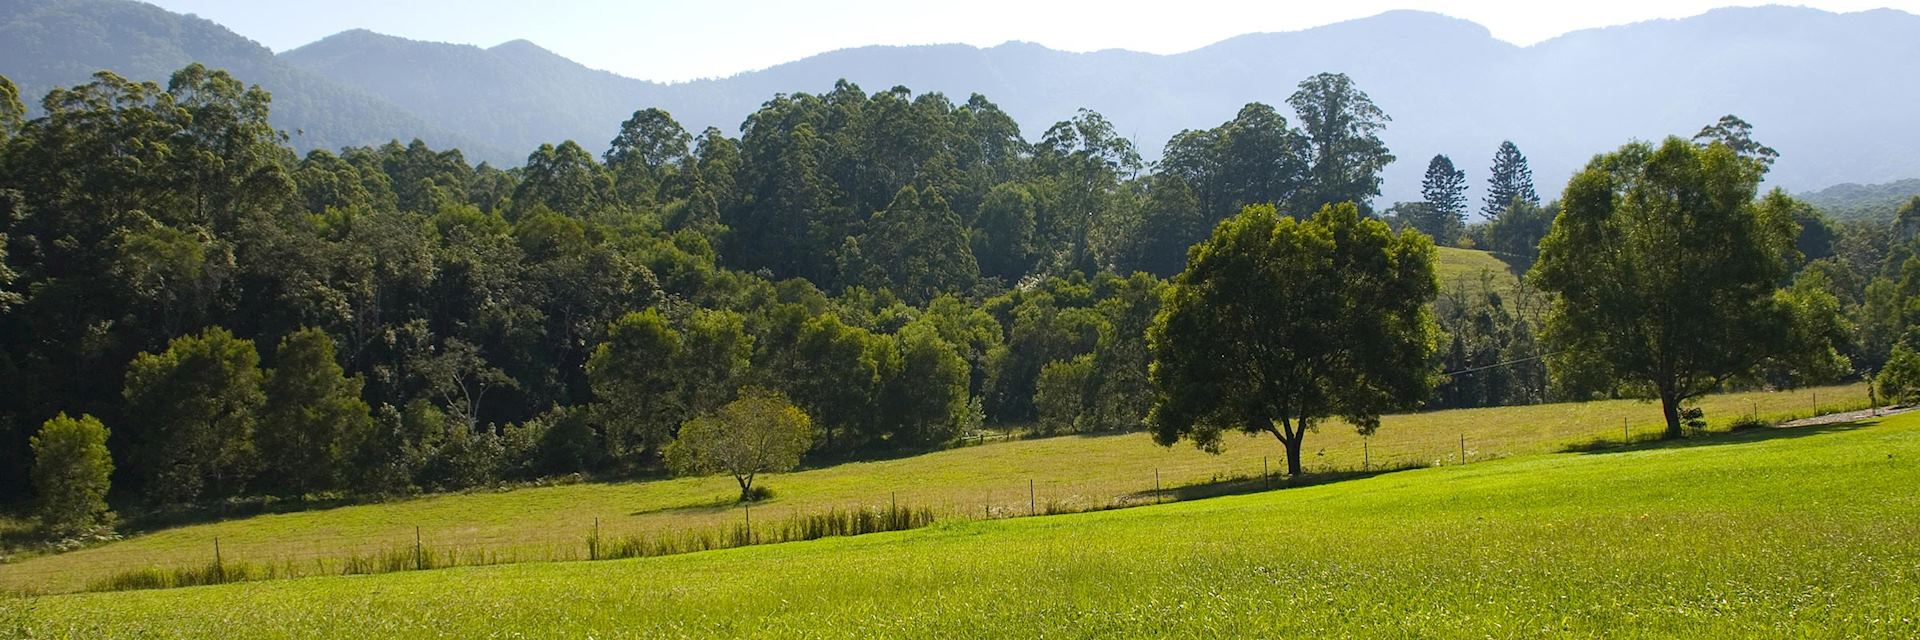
(759, 433)
(1509, 183)
(1346, 154)
(1661, 259)
(1899, 380)
(312, 419)
(1278, 324)
(1444, 192)
(71, 474)
(194, 406)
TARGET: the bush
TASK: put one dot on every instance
(1060, 395)
(1899, 380)
(71, 467)
(1744, 423)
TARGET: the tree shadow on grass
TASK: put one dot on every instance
(1238, 485)
(1716, 438)
(715, 505)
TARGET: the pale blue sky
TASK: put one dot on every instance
(668, 41)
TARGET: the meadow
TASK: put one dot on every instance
(994, 480)
(1801, 532)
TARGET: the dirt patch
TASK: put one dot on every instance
(1849, 416)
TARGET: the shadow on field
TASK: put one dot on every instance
(1716, 438)
(1254, 484)
(715, 505)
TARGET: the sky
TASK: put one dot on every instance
(685, 40)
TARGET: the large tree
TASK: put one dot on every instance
(1278, 324)
(1342, 127)
(313, 417)
(196, 405)
(1444, 191)
(1509, 181)
(1665, 267)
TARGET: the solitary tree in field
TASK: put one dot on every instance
(759, 433)
(1666, 269)
(1278, 324)
(70, 473)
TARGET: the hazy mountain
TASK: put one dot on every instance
(1831, 91)
(50, 43)
(1852, 201)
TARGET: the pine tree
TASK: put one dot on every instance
(1445, 192)
(1511, 179)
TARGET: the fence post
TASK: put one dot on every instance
(1624, 438)
(1872, 402)
(593, 545)
(1031, 511)
(216, 551)
(419, 558)
(1366, 453)
(1463, 448)
(1816, 403)
(1263, 470)
(1157, 497)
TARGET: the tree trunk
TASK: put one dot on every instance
(1293, 454)
(1670, 408)
(746, 487)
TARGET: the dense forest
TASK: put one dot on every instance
(908, 270)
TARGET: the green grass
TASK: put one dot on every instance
(1768, 533)
(1070, 473)
(1458, 268)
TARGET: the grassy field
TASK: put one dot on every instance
(1067, 473)
(1465, 267)
(1773, 533)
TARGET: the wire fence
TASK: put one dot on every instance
(1331, 454)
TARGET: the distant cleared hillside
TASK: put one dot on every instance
(1864, 201)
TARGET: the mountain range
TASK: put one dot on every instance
(1832, 92)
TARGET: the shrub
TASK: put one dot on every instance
(1899, 380)
(71, 468)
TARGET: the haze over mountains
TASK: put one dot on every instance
(1832, 92)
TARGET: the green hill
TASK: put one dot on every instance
(1771, 533)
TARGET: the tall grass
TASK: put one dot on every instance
(420, 557)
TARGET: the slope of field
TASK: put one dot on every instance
(1466, 268)
(1066, 473)
(1803, 532)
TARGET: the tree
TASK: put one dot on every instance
(1509, 181)
(1278, 324)
(1737, 135)
(1666, 266)
(635, 386)
(71, 470)
(1342, 127)
(920, 247)
(926, 398)
(196, 404)
(314, 417)
(564, 179)
(1445, 193)
(647, 155)
(759, 433)
(1003, 235)
(1514, 233)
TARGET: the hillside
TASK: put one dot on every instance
(1768, 533)
(1068, 473)
(1852, 201)
(54, 43)
(1437, 76)
(1449, 85)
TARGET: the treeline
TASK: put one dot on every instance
(243, 321)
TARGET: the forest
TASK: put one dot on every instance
(910, 271)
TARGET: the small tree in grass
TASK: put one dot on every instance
(759, 433)
(71, 467)
(1278, 324)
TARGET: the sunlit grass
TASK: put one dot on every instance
(1769, 533)
(1072, 473)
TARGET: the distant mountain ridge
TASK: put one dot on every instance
(1830, 91)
